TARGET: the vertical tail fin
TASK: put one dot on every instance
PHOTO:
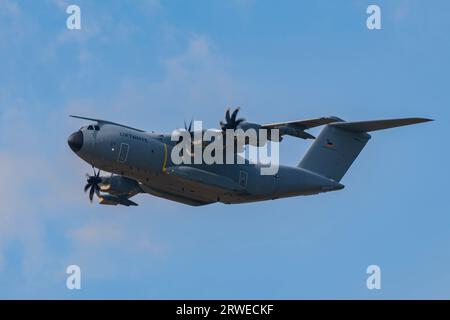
(338, 145)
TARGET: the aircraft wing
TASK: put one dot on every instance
(100, 121)
(297, 128)
(208, 186)
(205, 177)
(374, 125)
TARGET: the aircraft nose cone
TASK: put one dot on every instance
(75, 141)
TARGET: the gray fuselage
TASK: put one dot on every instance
(145, 157)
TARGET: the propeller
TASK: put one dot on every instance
(189, 129)
(93, 184)
(191, 133)
(230, 120)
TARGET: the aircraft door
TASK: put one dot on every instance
(123, 153)
(243, 177)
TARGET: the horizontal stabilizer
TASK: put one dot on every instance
(374, 125)
(339, 143)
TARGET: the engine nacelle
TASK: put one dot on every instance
(115, 200)
(120, 186)
(256, 127)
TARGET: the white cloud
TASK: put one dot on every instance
(401, 10)
(194, 82)
(13, 26)
(242, 4)
(102, 243)
(20, 217)
(61, 4)
(98, 234)
(42, 184)
(42, 180)
(121, 234)
(7, 7)
(150, 7)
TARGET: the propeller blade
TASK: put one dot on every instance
(233, 116)
(97, 190)
(239, 121)
(93, 184)
(230, 121)
(227, 115)
(91, 193)
(188, 128)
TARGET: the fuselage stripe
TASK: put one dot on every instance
(165, 158)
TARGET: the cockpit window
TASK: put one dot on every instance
(96, 128)
(90, 128)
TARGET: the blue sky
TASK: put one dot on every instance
(152, 64)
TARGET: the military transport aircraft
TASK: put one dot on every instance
(140, 162)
